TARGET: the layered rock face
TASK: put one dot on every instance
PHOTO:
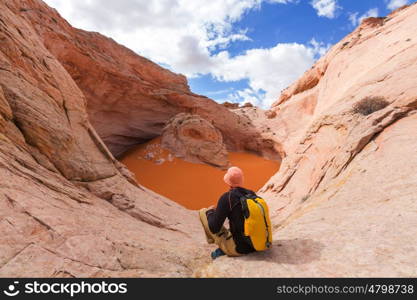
(196, 140)
(129, 98)
(67, 207)
(343, 202)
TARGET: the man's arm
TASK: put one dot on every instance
(216, 217)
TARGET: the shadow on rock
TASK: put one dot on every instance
(296, 252)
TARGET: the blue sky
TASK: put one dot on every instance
(230, 50)
(292, 23)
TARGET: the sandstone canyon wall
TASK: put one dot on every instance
(344, 201)
(67, 207)
(129, 98)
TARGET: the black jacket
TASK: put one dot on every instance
(233, 211)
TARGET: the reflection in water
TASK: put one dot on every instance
(192, 185)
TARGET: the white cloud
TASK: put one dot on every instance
(219, 92)
(192, 36)
(268, 71)
(326, 8)
(394, 4)
(178, 33)
(244, 96)
(355, 19)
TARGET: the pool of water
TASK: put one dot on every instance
(190, 184)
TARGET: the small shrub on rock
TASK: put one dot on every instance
(369, 105)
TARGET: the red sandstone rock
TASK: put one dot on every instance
(129, 98)
(195, 139)
(230, 105)
(63, 197)
(343, 202)
(247, 104)
(270, 114)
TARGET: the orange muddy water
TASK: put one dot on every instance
(189, 184)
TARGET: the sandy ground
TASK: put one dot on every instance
(189, 184)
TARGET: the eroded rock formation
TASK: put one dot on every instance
(343, 202)
(64, 199)
(196, 140)
(129, 98)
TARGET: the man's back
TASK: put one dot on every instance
(229, 206)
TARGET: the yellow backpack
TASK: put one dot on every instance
(257, 226)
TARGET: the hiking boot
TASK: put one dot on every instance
(216, 253)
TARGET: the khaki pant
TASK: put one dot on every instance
(223, 238)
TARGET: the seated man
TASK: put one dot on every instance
(233, 242)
